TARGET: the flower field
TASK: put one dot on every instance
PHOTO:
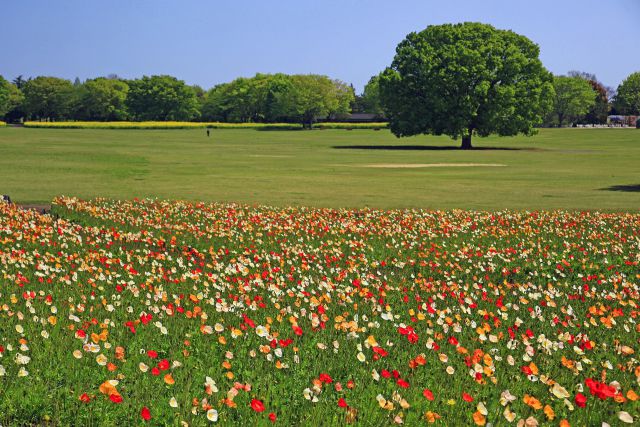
(176, 313)
(196, 125)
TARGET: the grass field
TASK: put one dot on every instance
(570, 168)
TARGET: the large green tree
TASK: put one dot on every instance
(600, 110)
(312, 96)
(48, 98)
(628, 97)
(102, 99)
(465, 79)
(236, 101)
(278, 97)
(574, 97)
(162, 98)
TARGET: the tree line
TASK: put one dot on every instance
(263, 98)
(579, 98)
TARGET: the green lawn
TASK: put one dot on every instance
(569, 168)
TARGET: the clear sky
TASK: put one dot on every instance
(207, 42)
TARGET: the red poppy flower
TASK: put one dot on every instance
(257, 405)
(145, 414)
(467, 397)
(381, 351)
(402, 383)
(272, 417)
(163, 365)
(427, 393)
(581, 400)
(342, 403)
(325, 378)
(526, 370)
(155, 372)
(85, 398)
(152, 354)
(115, 398)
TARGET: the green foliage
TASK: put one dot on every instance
(371, 102)
(600, 110)
(4, 96)
(315, 95)
(48, 98)
(466, 78)
(237, 101)
(102, 99)
(162, 98)
(278, 97)
(574, 98)
(16, 104)
(628, 98)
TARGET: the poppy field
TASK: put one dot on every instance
(180, 313)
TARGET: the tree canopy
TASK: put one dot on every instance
(574, 97)
(628, 97)
(274, 97)
(102, 99)
(465, 79)
(162, 98)
(371, 102)
(48, 98)
(600, 110)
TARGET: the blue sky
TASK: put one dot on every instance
(207, 42)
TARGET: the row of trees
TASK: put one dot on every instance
(577, 98)
(263, 98)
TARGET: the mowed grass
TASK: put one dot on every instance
(594, 169)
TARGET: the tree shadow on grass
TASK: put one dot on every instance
(426, 148)
(624, 188)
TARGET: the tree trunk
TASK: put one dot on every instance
(466, 142)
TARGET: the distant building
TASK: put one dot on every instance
(622, 120)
